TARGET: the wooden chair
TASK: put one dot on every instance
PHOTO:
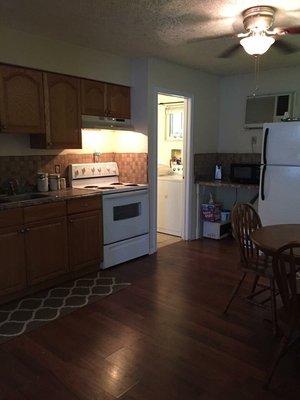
(285, 270)
(245, 220)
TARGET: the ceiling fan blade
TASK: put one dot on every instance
(285, 47)
(201, 39)
(292, 30)
(230, 51)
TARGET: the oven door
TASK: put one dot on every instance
(125, 215)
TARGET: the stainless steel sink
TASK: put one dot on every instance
(22, 197)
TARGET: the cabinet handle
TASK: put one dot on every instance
(71, 221)
(22, 230)
(27, 230)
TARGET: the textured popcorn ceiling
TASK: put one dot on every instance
(158, 28)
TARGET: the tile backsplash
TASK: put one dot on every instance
(132, 166)
(204, 163)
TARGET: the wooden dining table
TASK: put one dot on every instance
(270, 238)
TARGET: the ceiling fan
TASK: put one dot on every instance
(259, 35)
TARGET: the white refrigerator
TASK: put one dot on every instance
(279, 192)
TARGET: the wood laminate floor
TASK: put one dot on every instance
(164, 239)
(164, 338)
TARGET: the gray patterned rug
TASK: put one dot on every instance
(31, 312)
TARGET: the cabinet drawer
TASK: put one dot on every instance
(11, 217)
(84, 204)
(44, 211)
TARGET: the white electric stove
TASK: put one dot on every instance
(125, 210)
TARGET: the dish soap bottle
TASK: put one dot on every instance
(218, 172)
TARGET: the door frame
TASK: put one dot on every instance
(187, 164)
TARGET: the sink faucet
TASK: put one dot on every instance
(13, 185)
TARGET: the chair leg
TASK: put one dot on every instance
(273, 307)
(235, 292)
(280, 353)
(255, 282)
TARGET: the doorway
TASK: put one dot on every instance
(170, 169)
(170, 155)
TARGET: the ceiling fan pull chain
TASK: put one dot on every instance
(256, 75)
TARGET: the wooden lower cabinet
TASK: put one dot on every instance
(46, 250)
(41, 245)
(13, 263)
(85, 239)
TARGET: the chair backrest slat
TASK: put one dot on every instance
(245, 220)
(285, 273)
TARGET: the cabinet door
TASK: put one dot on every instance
(93, 97)
(118, 101)
(85, 239)
(12, 256)
(46, 250)
(21, 100)
(63, 111)
(169, 204)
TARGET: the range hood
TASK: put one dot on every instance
(95, 122)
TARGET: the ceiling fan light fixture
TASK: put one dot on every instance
(257, 43)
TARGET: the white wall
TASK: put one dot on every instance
(233, 138)
(139, 94)
(39, 52)
(204, 90)
(202, 86)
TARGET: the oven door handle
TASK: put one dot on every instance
(125, 194)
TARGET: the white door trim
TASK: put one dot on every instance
(187, 161)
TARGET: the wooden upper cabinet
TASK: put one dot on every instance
(118, 101)
(93, 100)
(21, 100)
(63, 113)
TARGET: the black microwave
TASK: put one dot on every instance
(245, 173)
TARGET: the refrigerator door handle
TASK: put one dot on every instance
(262, 187)
(265, 146)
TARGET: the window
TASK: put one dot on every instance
(127, 211)
(174, 122)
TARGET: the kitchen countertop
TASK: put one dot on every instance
(51, 197)
(224, 183)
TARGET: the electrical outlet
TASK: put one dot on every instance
(57, 169)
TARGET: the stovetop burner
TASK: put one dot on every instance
(99, 187)
(131, 184)
(116, 183)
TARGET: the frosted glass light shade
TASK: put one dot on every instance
(257, 44)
